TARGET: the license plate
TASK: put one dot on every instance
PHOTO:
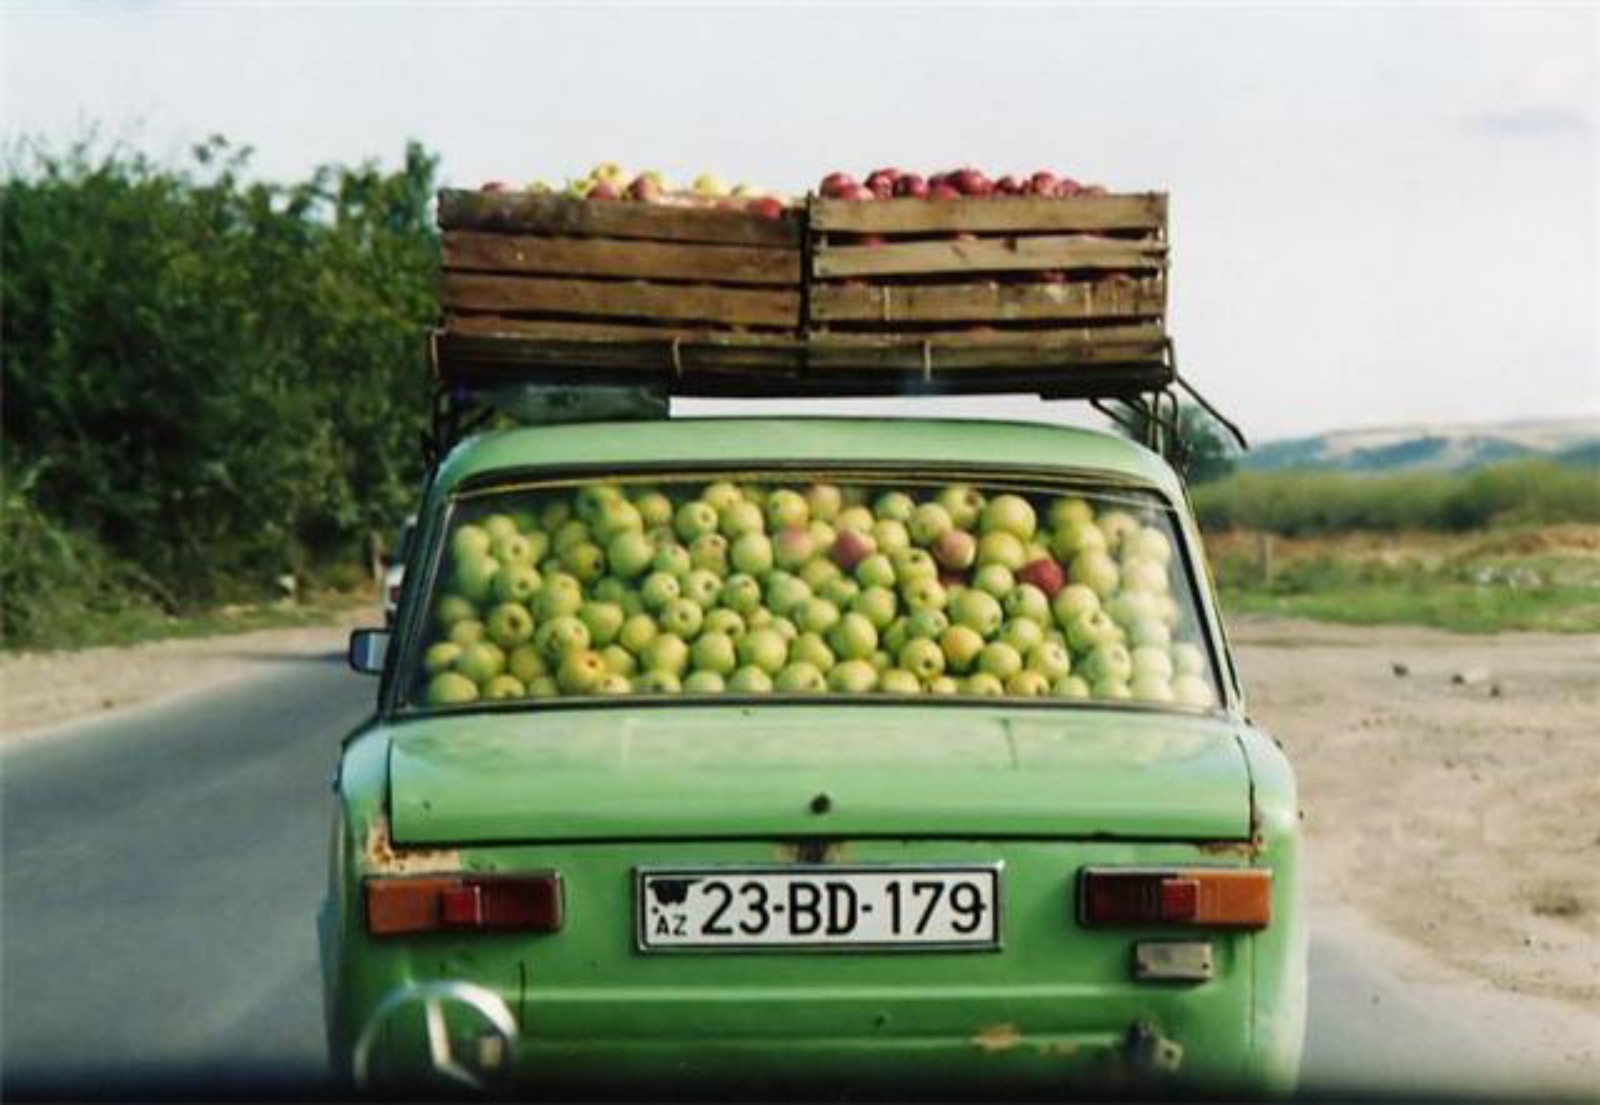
(867, 908)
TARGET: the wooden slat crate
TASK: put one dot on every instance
(910, 271)
(544, 265)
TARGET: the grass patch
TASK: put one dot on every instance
(1461, 608)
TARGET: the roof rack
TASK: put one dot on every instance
(1064, 298)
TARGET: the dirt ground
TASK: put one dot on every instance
(1456, 806)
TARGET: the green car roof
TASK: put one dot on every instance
(823, 440)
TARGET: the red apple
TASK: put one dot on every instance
(971, 182)
(645, 189)
(1044, 574)
(1066, 186)
(1008, 185)
(912, 186)
(881, 182)
(943, 192)
(1043, 183)
(854, 192)
(851, 547)
(955, 549)
(767, 207)
(603, 190)
(834, 183)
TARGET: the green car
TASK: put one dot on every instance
(811, 756)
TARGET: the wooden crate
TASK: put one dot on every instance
(566, 269)
(997, 269)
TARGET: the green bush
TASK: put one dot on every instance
(211, 380)
(1307, 504)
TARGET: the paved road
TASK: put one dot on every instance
(162, 871)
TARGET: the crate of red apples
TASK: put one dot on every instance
(953, 281)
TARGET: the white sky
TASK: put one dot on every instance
(1380, 215)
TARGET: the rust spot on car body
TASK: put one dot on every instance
(997, 1037)
(1246, 849)
(380, 856)
(813, 850)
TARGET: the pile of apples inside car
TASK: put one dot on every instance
(728, 587)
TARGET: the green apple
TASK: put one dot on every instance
(467, 631)
(504, 686)
(819, 571)
(1117, 525)
(1050, 660)
(450, 688)
(857, 519)
(1027, 684)
(574, 532)
(961, 644)
(469, 542)
(657, 682)
(1002, 547)
(1151, 662)
(637, 632)
(763, 648)
(701, 586)
(630, 554)
(1069, 510)
(1108, 662)
(1010, 514)
(695, 519)
(603, 620)
(561, 594)
(1087, 632)
(722, 495)
(978, 611)
(509, 624)
(513, 548)
(784, 627)
(899, 681)
(793, 547)
(719, 620)
(516, 583)
(592, 498)
(824, 501)
(453, 609)
(1145, 576)
(741, 593)
(714, 652)
(441, 656)
(750, 680)
(499, 525)
(922, 657)
(658, 589)
(1168, 610)
(683, 617)
(581, 671)
(892, 536)
(1147, 543)
(928, 522)
(1151, 688)
(963, 503)
(786, 507)
(544, 686)
(895, 636)
(785, 592)
(616, 517)
(841, 590)
(876, 570)
(877, 604)
(816, 616)
(619, 660)
(481, 662)
(1097, 571)
(983, 685)
(1110, 689)
(1072, 602)
(739, 518)
(1022, 634)
(800, 678)
(1151, 631)
(667, 653)
(894, 505)
(881, 660)
(1073, 686)
(1027, 601)
(673, 559)
(1191, 690)
(554, 515)
(704, 682)
(586, 561)
(474, 577)
(926, 623)
(852, 677)
(811, 649)
(1127, 607)
(654, 508)
(912, 564)
(944, 685)
(1073, 538)
(995, 579)
(526, 664)
(751, 553)
(561, 636)
(1188, 659)
(1000, 660)
(855, 637)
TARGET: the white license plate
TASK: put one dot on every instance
(709, 908)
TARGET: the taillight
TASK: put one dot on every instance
(524, 903)
(1202, 897)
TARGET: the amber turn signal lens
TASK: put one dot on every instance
(1201, 897)
(522, 903)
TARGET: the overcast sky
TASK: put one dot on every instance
(1379, 215)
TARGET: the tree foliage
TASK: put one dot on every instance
(1203, 451)
(212, 378)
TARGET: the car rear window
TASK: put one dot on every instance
(867, 586)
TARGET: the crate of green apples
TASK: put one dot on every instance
(744, 588)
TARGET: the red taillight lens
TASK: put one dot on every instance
(524, 903)
(1202, 897)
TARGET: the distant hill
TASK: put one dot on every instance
(1436, 448)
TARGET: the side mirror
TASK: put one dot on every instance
(368, 647)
